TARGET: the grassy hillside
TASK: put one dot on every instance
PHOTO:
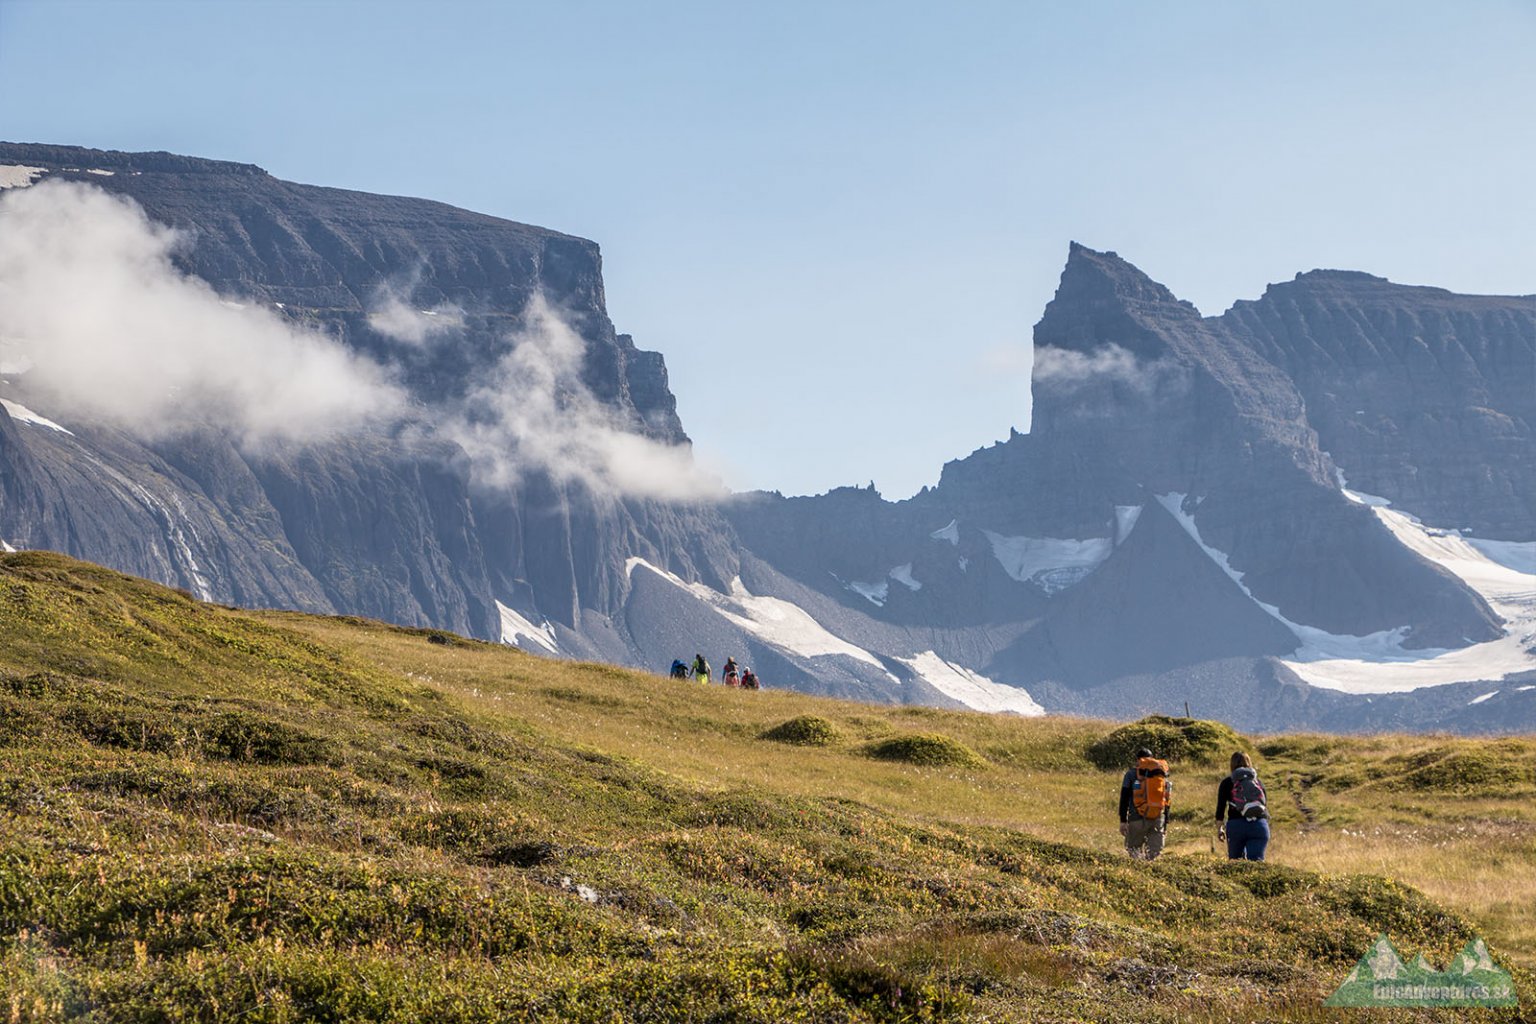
(214, 815)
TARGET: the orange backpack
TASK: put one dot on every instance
(1151, 793)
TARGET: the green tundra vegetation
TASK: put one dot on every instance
(216, 815)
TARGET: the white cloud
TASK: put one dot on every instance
(108, 330)
(1068, 369)
(534, 411)
(114, 332)
(392, 314)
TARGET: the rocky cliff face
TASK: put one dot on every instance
(1174, 521)
(1417, 393)
(386, 526)
(1174, 527)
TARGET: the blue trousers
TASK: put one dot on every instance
(1246, 839)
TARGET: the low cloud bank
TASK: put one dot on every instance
(112, 331)
(1067, 369)
(533, 410)
(109, 330)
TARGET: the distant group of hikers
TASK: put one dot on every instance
(1146, 797)
(731, 674)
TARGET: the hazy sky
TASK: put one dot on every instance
(839, 221)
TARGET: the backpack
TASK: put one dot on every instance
(1151, 793)
(679, 670)
(1248, 795)
(749, 680)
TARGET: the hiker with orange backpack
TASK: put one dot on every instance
(1242, 815)
(1146, 793)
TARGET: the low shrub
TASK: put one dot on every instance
(804, 731)
(927, 749)
(1467, 772)
(1180, 740)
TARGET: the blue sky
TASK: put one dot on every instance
(839, 221)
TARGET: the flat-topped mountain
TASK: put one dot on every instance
(1318, 508)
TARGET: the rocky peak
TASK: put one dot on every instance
(1104, 300)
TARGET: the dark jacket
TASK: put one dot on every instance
(1224, 801)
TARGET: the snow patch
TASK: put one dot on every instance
(972, 689)
(21, 414)
(1523, 689)
(1126, 517)
(1479, 700)
(1378, 662)
(781, 623)
(788, 626)
(903, 574)
(101, 171)
(7, 548)
(874, 593)
(1358, 497)
(1050, 563)
(515, 626)
(964, 563)
(950, 533)
(19, 175)
(1519, 555)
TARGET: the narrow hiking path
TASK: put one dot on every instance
(1298, 786)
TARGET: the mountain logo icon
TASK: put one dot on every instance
(1382, 978)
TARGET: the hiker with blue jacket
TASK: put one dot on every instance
(1146, 793)
(1242, 817)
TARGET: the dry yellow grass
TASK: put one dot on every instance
(1474, 852)
(296, 818)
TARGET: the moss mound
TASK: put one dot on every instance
(804, 731)
(1180, 740)
(927, 749)
(1468, 771)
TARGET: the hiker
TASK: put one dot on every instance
(700, 668)
(679, 669)
(1146, 793)
(730, 674)
(749, 679)
(1242, 817)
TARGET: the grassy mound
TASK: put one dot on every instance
(217, 816)
(1188, 741)
(805, 731)
(931, 750)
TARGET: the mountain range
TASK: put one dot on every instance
(1317, 509)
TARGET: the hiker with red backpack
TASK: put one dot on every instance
(1242, 816)
(1146, 793)
(749, 680)
(731, 674)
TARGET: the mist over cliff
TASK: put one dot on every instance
(1316, 509)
